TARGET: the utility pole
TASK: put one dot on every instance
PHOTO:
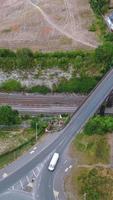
(36, 132)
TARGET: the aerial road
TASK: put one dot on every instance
(44, 189)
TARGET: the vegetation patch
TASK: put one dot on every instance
(91, 149)
(87, 68)
(95, 184)
(92, 176)
(99, 6)
(99, 125)
(16, 139)
(39, 89)
(77, 85)
(99, 26)
(11, 85)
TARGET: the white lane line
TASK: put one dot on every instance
(70, 166)
(66, 169)
(31, 152)
(65, 161)
(21, 185)
(4, 175)
(56, 194)
(34, 173)
(13, 187)
(34, 148)
(27, 179)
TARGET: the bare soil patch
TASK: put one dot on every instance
(22, 25)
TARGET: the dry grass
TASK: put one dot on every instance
(86, 161)
(28, 28)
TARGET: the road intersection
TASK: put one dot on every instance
(44, 189)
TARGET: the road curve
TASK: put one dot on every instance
(59, 144)
(77, 122)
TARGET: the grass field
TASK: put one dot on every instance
(91, 177)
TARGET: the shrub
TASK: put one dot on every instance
(99, 6)
(99, 125)
(11, 85)
(108, 37)
(78, 85)
(25, 58)
(39, 89)
(7, 53)
(104, 54)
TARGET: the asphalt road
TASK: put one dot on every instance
(79, 119)
(15, 196)
(45, 188)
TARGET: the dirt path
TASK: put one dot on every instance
(74, 34)
(94, 165)
(62, 26)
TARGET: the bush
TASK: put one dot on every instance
(99, 6)
(7, 53)
(78, 85)
(9, 116)
(39, 89)
(25, 58)
(108, 37)
(104, 54)
(11, 85)
(99, 125)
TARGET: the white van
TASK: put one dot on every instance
(53, 161)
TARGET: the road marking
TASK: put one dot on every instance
(4, 175)
(56, 194)
(70, 166)
(34, 148)
(66, 169)
(65, 161)
(31, 152)
(27, 179)
(34, 173)
(21, 185)
(13, 187)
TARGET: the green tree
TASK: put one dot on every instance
(99, 6)
(9, 116)
(99, 125)
(104, 53)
